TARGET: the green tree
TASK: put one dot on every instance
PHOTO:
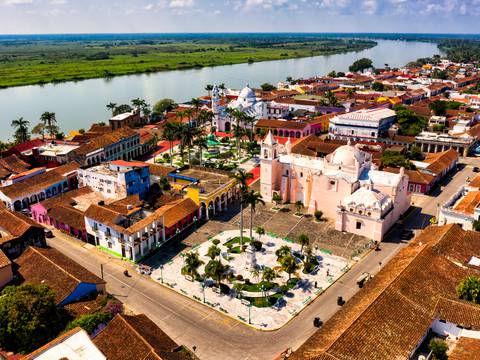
(90, 322)
(213, 251)
(39, 129)
(22, 133)
(361, 65)
(191, 265)
(378, 86)
(289, 265)
(276, 198)
(416, 153)
(197, 104)
(332, 74)
(410, 123)
(240, 178)
(29, 317)
(329, 99)
(260, 231)
(438, 348)
(201, 144)
(282, 252)
(252, 198)
(171, 133)
(469, 289)
(268, 274)
(438, 107)
(267, 87)
(215, 270)
(299, 206)
(163, 106)
(209, 88)
(121, 109)
(396, 160)
(304, 240)
(49, 120)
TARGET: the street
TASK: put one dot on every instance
(217, 336)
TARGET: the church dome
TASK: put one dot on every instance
(247, 93)
(347, 155)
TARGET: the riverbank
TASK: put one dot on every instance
(43, 62)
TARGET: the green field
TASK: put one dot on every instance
(44, 60)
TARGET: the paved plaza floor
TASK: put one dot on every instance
(330, 268)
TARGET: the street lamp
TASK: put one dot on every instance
(161, 273)
(195, 219)
(202, 284)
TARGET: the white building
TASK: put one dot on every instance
(246, 102)
(117, 179)
(365, 124)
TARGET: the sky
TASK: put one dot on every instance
(164, 16)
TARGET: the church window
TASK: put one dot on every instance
(360, 212)
(358, 225)
(301, 174)
(369, 213)
(286, 172)
(373, 134)
(265, 154)
(332, 182)
(353, 132)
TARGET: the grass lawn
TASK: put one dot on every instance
(236, 240)
(272, 299)
(47, 60)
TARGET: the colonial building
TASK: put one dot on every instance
(20, 195)
(132, 232)
(117, 179)
(345, 185)
(366, 124)
(129, 119)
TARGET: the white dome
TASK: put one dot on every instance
(369, 199)
(247, 94)
(347, 155)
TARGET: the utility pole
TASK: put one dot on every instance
(101, 270)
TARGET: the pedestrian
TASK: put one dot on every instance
(380, 264)
(315, 284)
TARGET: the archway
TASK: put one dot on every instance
(227, 126)
(203, 210)
(17, 205)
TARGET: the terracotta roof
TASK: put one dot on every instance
(39, 182)
(465, 349)
(135, 337)
(69, 216)
(439, 162)
(160, 170)
(276, 124)
(49, 266)
(13, 164)
(475, 183)
(121, 206)
(393, 312)
(15, 224)
(104, 140)
(99, 129)
(468, 203)
(4, 260)
(313, 146)
(414, 176)
(129, 163)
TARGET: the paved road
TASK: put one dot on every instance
(217, 336)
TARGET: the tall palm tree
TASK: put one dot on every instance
(215, 270)
(201, 143)
(209, 88)
(112, 106)
(268, 274)
(189, 114)
(252, 198)
(240, 178)
(188, 137)
(303, 240)
(197, 104)
(260, 231)
(205, 116)
(192, 263)
(21, 129)
(50, 121)
(39, 129)
(170, 133)
(222, 86)
(250, 120)
(213, 251)
(289, 265)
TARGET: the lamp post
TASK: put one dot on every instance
(202, 284)
(195, 219)
(161, 273)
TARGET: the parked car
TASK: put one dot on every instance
(362, 279)
(476, 169)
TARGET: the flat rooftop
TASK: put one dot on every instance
(208, 180)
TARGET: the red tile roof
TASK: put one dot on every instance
(129, 163)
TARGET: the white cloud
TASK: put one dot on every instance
(15, 2)
(182, 3)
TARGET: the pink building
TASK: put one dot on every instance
(345, 185)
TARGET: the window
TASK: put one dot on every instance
(109, 245)
(353, 132)
(286, 172)
(301, 174)
(372, 134)
(332, 182)
(358, 225)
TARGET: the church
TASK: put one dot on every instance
(345, 185)
(245, 102)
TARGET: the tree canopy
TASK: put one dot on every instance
(469, 289)
(396, 160)
(410, 123)
(267, 87)
(163, 105)
(360, 65)
(440, 107)
(29, 317)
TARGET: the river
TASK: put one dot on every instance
(79, 104)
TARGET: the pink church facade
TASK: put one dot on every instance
(345, 185)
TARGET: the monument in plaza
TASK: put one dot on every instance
(251, 258)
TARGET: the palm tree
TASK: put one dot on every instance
(196, 103)
(260, 231)
(222, 86)
(238, 287)
(201, 143)
(215, 270)
(138, 103)
(213, 251)
(191, 264)
(170, 133)
(205, 116)
(250, 120)
(329, 99)
(276, 198)
(282, 252)
(252, 198)
(112, 106)
(209, 88)
(240, 178)
(21, 129)
(303, 240)
(189, 114)
(268, 274)
(255, 274)
(188, 137)
(350, 92)
(289, 265)
(49, 120)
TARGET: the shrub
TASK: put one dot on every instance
(257, 244)
(318, 215)
(439, 349)
(89, 322)
(247, 282)
(469, 289)
(114, 307)
(216, 241)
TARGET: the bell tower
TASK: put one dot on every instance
(270, 168)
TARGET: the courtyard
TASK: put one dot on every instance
(244, 291)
